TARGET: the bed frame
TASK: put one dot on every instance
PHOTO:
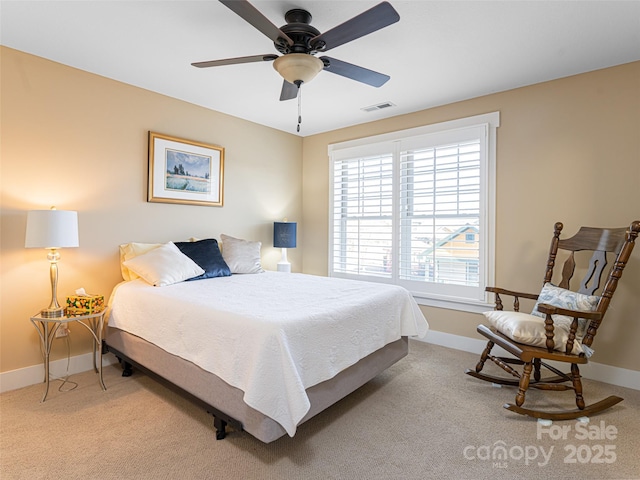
(225, 402)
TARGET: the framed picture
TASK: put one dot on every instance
(184, 171)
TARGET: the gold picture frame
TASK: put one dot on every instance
(185, 171)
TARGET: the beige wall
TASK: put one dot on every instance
(567, 150)
(79, 141)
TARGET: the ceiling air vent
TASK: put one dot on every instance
(379, 106)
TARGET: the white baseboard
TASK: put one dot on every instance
(595, 371)
(24, 377)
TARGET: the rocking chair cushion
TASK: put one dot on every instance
(529, 329)
(562, 298)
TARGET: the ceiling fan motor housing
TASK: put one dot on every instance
(298, 30)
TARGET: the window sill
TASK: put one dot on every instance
(453, 304)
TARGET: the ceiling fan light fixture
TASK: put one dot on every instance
(298, 67)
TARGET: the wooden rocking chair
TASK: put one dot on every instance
(563, 323)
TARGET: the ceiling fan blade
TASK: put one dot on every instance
(253, 16)
(232, 61)
(289, 91)
(354, 72)
(374, 19)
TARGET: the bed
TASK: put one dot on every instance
(264, 351)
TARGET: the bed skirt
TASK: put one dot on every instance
(213, 391)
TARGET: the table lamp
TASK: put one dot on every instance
(52, 229)
(284, 236)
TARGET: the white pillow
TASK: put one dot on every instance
(131, 250)
(242, 256)
(529, 329)
(164, 265)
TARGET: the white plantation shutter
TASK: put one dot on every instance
(363, 215)
(440, 209)
(416, 210)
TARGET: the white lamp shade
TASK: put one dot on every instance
(295, 67)
(51, 229)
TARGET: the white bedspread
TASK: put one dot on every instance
(272, 335)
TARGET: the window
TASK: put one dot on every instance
(416, 208)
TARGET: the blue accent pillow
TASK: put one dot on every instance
(207, 255)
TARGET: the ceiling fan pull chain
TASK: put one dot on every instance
(299, 108)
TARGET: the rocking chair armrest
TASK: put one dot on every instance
(502, 291)
(551, 310)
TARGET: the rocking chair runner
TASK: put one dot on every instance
(571, 321)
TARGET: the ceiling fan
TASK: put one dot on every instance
(299, 42)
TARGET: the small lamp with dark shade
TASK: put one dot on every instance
(284, 236)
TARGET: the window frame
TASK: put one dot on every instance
(380, 144)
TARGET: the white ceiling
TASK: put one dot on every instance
(439, 52)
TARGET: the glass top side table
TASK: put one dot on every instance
(47, 328)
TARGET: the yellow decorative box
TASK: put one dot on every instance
(84, 304)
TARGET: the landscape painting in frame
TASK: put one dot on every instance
(185, 171)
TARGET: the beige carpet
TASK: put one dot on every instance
(421, 419)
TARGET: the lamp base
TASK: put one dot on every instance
(283, 264)
(284, 267)
(52, 312)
